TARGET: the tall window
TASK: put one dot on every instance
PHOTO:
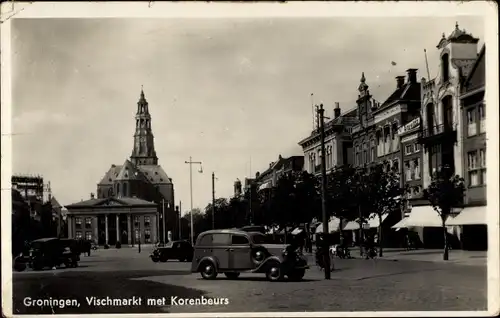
(482, 163)
(88, 223)
(395, 138)
(447, 112)
(407, 171)
(88, 236)
(430, 118)
(118, 189)
(125, 190)
(372, 151)
(471, 122)
(445, 67)
(473, 168)
(78, 222)
(380, 144)
(147, 221)
(147, 236)
(416, 147)
(136, 221)
(365, 153)
(416, 167)
(78, 235)
(387, 140)
(482, 118)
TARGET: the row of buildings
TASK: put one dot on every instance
(422, 126)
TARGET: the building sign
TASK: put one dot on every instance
(410, 126)
(388, 113)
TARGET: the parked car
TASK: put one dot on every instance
(179, 250)
(234, 251)
(52, 252)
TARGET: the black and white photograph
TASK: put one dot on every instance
(250, 158)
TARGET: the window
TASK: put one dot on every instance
(239, 240)
(147, 221)
(206, 240)
(416, 147)
(473, 168)
(395, 165)
(136, 221)
(221, 239)
(408, 149)
(147, 236)
(373, 155)
(445, 67)
(118, 189)
(78, 222)
(395, 138)
(88, 223)
(482, 118)
(88, 236)
(78, 235)
(482, 163)
(137, 235)
(387, 140)
(110, 192)
(407, 171)
(471, 123)
(125, 193)
(416, 167)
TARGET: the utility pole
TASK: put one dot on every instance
(326, 254)
(191, 162)
(213, 200)
(163, 219)
(180, 220)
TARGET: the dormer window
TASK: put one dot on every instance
(445, 67)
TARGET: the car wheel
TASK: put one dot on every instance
(297, 274)
(232, 275)
(155, 260)
(208, 270)
(19, 266)
(273, 272)
(163, 259)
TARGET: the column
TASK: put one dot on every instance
(69, 221)
(94, 227)
(118, 234)
(153, 229)
(129, 229)
(106, 227)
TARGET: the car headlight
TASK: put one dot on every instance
(285, 252)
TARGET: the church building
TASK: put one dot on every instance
(132, 198)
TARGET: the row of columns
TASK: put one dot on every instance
(71, 227)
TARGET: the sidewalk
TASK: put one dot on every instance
(470, 258)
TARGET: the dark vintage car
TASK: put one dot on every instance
(179, 250)
(51, 252)
(234, 251)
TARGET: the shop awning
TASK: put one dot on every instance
(401, 224)
(424, 216)
(297, 231)
(266, 185)
(469, 216)
(333, 226)
(374, 220)
(351, 225)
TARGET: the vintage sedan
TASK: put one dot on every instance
(234, 251)
(179, 250)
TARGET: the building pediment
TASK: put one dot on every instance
(111, 202)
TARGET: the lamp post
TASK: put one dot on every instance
(190, 163)
(326, 254)
(180, 220)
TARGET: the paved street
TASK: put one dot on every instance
(356, 285)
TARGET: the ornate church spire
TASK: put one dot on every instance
(144, 149)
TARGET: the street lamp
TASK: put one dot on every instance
(191, 162)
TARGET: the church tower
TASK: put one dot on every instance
(144, 149)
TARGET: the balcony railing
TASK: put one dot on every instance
(439, 129)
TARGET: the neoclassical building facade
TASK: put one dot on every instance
(132, 198)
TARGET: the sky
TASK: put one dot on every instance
(232, 93)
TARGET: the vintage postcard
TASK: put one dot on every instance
(250, 159)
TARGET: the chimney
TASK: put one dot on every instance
(280, 157)
(257, 174)
(412, 75)
(92, 196)
(336, 110)
(400, 80)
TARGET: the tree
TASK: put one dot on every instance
(385, 194)
(340, 192)
(445, 192)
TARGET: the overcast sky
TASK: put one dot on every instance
(226, 92)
